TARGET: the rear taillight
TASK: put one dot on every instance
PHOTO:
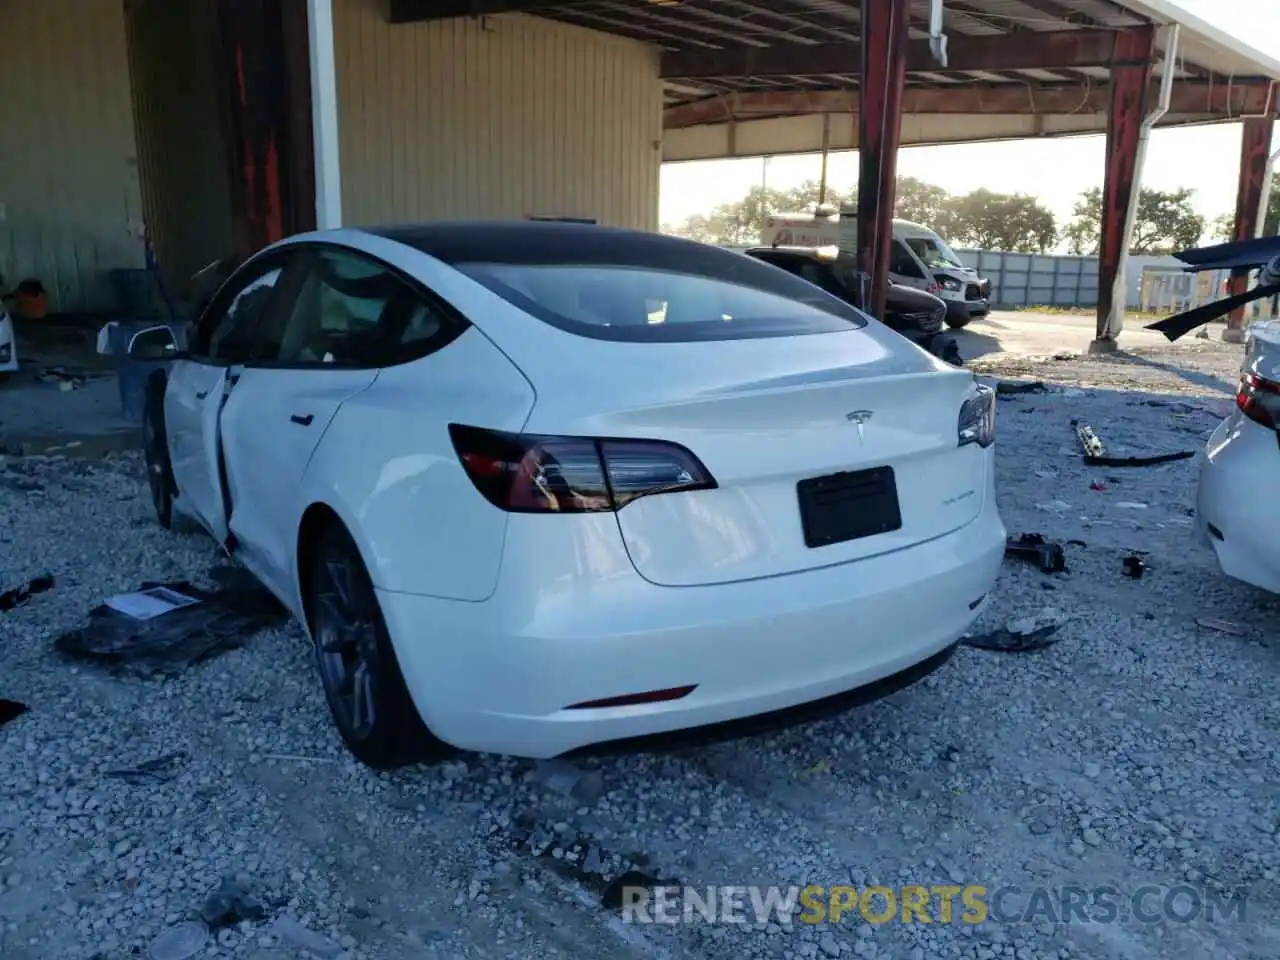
(1259, 400)
(978, 417)
(525, 473)
(933, 288)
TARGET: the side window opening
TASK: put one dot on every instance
(231, 337)
(353, 311)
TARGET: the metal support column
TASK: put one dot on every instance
(1131, 69)
(883, 76)
(1255, 151)
(263, 96)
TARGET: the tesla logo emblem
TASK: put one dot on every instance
(858, 418)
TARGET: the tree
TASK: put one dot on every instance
(1224, 227)
(739, 224)
(1166, 222)
(922, 203)
(986, 220)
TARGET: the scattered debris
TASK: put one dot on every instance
(1222, 626)
(1089, 441)
(1024, 635)
(170, 641)
(11, 710)
(1134, 566)
(1077, 543)
(626, 886)
(1054, 506)
(1015, 387)
(230, 904)
(16, 596)
(180, 942)
(1097, 486)
(64, 379)
(291, 931)
(281, 757)
(160, 768)
(1095, 454)
(584, 787)
(1034, 548)
(1130, 505)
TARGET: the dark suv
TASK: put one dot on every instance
(916, 315)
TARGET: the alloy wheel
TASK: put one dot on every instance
(346, 645)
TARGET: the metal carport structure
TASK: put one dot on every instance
(767, 77)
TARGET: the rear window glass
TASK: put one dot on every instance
(651, 303)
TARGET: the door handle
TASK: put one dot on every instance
(202, 394)
(303, 421)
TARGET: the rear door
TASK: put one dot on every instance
(350, 316)
(197, 387)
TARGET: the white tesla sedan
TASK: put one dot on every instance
(1237, 513)
(536, 486)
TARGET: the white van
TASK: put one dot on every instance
(919, 257)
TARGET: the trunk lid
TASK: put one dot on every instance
(768, 418)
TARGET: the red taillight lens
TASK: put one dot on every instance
(526, 473)
(1259, 400)
(934, 288)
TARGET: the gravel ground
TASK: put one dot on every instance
(1137, 750)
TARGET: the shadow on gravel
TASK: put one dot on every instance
(1205, 380)
(973, 344)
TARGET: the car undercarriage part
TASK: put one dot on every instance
(1034, 548)
(167, 642)
(21, 594)
(1095, 454)
(11, 710)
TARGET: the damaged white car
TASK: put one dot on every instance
(536, 486)
(1237, 516)
(8, 344)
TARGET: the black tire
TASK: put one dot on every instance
(155, 449)
(361, 677)
(958, 323)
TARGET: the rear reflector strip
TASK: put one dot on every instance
(634, 699)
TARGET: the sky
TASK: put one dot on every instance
(1055, 171)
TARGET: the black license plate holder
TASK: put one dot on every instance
(848, 506)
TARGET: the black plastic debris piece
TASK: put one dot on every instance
(630, 888)
(1009, 388)
(1077, 543)
(159, 768)
(1134, 566)
(1009, 641)
(16, 596)
(218, 621)
(230, 904)
(1034, 548)
(11, 710)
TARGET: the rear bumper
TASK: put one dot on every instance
(499, 675)
(1236, 514)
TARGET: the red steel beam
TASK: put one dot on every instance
(885, 25)
(265, 89)
(1189, 97)
(1255, 149)
(1059, 49)
(1130, 84)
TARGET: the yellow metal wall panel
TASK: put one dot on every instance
(69, 195)
(489, 117)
